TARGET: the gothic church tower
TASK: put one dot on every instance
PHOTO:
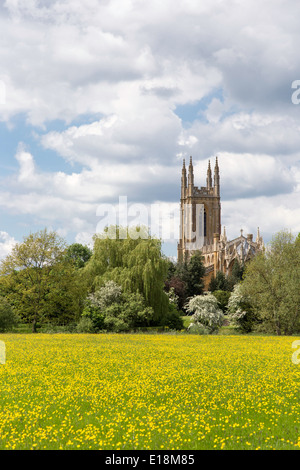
(200, 211)
(200, 226)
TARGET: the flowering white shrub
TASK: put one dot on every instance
(173, 298)
(108, 294)
(235, 304)
(240, 311)
(206, 312)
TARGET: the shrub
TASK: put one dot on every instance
(206, 312)
(108, 294)
(94, 314)
(173, 319)
(97, 303)
(85, 325)
(173, 297)
(128, 314)
(240, 311)
(114, 310)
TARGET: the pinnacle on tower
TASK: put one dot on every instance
(183, 180)
(209, 178)
(191, 172)
(184, 171)
(217, 178)
(258, 237)
(217, 166)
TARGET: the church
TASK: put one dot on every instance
(200, 226)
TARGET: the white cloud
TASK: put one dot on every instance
(127, 65)
(242, 132)
(252, 175)
(270, 214)
(6, 244)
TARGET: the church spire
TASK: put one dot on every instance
(217, 178)
(183, 180)
(209, 178)
(224, 234)
(259, 239)
(191, 177)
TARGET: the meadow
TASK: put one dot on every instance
(149, 391)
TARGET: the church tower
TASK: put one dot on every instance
(200, 227)
(200, 211)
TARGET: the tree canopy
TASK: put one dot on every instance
(136, 264)
(38, 281)
(272, 281)
(186, 278)
(79, 254)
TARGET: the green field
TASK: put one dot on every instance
(149, 391)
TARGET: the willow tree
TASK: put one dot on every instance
(134, 260)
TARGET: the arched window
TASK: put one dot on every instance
(205, 222)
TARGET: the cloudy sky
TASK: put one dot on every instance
(103, 99)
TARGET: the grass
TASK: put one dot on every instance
(140, 391)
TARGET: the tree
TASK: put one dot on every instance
(206, 312)
(222, 297)
(133, 262)
(178, 286)
(36, 278)
(227, 283)
(79, 254)
(237, 272)
(8, 318)
(172, 266)
(271, 282)
(65, 291)
(220, 282)
(187, 279)
(194, 275)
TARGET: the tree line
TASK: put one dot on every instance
(126, 283)
(262, 296)
(117, 285)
